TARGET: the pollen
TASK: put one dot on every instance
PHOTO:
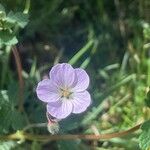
(65, 93)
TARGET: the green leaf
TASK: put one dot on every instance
(8, 145)
(13, 92)
(71, 123)
(146, 33)
(73, 145)
(147, 99)
(7, 38)
(9, 116)
(19, 18)
(17, 120)
(65, 145)
(8, 25)
(144, 139)
(2, 12)
(2, 8)
(4, 112)
(140, 94)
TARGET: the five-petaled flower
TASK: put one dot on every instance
(65, 92)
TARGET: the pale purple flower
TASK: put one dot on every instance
(65, 92)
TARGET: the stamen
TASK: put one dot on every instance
(65, 93)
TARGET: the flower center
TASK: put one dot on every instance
(65, 93)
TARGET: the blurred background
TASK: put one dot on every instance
(109, 39)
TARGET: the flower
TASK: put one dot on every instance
(65, 92)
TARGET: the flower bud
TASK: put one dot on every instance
(53, 127)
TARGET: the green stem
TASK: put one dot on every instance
(27, 7)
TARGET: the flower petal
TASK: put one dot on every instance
(81, 101)
(62, 111)
(47, 91)
(63, 75)
(83, 80)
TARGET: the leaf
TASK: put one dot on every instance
(140, 94)
(147, 99)
(13, 92)
(7, 145)
(71, 123)
(4, 112)
(2, 12)
(7, 38)
(144, 139)
(8, 25)
(17, 120)
(146, 33)
(9, 116)
(73, 145)
(2, 8)
(19, 18)
(5, 120)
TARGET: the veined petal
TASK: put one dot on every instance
(47, 91)
(83, 80)
(81, 100)
(63, 75)
(62, 111)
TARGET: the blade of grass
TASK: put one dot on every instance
(124, 62)
(33, 68)
(88, 59)
(77, 56)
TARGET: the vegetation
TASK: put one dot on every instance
(109, 39)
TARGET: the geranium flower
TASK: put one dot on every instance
(65, 92)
